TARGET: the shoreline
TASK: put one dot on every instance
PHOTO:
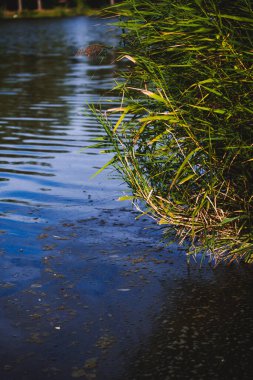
(50, 13)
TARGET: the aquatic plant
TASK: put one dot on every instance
(184, 140)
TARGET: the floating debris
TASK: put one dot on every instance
(105, 342)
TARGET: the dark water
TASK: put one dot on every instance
(86, 291)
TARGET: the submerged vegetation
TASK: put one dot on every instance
(184, 139)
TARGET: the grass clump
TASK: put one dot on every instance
(184, 140)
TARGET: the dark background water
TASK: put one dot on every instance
(86, 291)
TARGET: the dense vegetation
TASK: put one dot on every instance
(184, 140)
(50, 7)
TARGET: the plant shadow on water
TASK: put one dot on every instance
(86, 291)
(208, 332)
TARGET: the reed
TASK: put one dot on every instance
(184, 140)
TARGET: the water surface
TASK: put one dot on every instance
(86, 291)
(44, 89)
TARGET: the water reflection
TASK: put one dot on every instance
(44, 90)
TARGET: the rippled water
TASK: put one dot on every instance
(85, 290)
(44, 90)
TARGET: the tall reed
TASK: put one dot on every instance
(184, 140)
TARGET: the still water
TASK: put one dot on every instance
(86, 291)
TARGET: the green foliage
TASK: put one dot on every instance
(184, 140)
(50, 8)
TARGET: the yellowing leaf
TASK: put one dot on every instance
(122, 117)
(126, 198)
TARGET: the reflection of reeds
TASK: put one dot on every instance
(184, 139)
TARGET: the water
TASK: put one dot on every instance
(86, 291)
(66, 244)
(44, 94)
